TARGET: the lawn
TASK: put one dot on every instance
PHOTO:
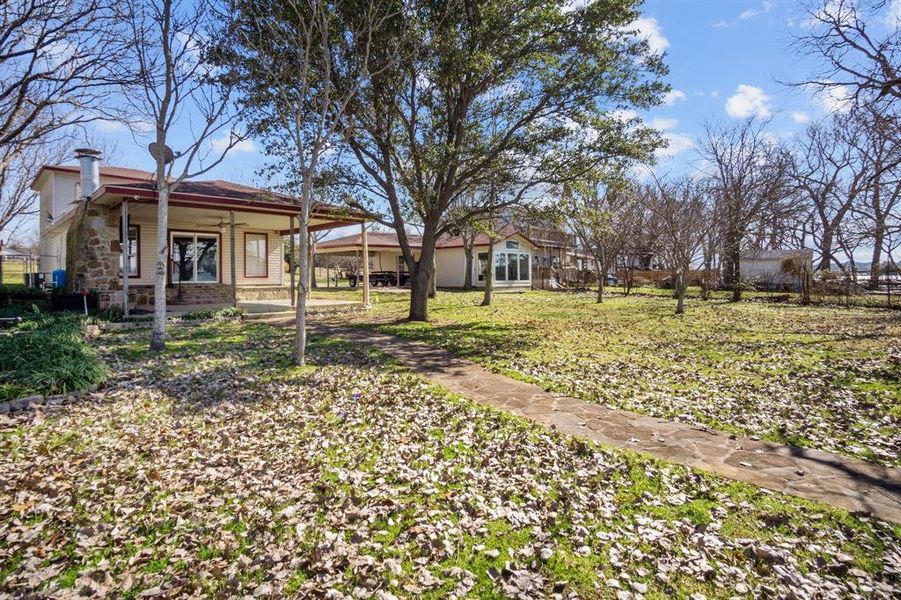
(820, 377)
(219, 470)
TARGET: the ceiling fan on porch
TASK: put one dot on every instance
(222, 224)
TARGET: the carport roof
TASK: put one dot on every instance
(382, 240)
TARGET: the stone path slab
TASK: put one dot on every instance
(849, 483)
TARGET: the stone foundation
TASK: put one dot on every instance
(268, 292)
(196, 293)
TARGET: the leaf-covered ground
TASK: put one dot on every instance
(220, 471)
(820, 377)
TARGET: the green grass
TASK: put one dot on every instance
(48, 354)
(201, 486)
(812, 376)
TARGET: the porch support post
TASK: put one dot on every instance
(365, 265)
(126, 259)
(291, 265)
(397, 268)
(311, 272)
(232, 257)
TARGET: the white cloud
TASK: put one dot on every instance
(624, 114)
(649, 29)
(800, 117)
(673, 96)
(748, 101)
(892, 17)
(747, 14)
(574, 5)
(678, 143)
(750, 13)
(108, 126)
(715, 93)
(663, 123)
(837, 99)
(221, 145)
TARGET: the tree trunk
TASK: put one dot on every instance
(292, 266)
(680, 293)
(433, 277)
(467, 253)
(300, 315)
(875, 266)
(158, 336)
(826, 258)
(736, 273)
(731, 261)
(421, 278)
(419, 293)
(601, 280)
(489, 273)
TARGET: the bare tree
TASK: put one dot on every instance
(832, 175)
(56, 69)
(748, 174)
(881, 148)
(855, 61)
(680, 220)
(602, 217)
(173, 86)
(17, 200)
(303, 62)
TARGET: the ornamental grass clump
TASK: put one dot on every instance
(48, 354)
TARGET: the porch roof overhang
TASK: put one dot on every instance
(322, 216)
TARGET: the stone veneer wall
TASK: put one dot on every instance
(92, 256)
(268, 292)
(196, 293)
(92, 260)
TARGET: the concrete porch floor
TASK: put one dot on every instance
(267, 306)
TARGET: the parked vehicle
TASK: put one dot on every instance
(380, 279)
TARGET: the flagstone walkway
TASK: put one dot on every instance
(845, 482)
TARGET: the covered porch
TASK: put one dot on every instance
(227, 246)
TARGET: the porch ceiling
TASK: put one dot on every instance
(351, 250)
(211, 218)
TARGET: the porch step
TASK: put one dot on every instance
(288, 315)
(263, 292)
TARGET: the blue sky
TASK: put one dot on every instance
(726, 59)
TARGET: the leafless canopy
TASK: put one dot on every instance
(748, 175)
(55, 69)
(172, 86)
(854, 59)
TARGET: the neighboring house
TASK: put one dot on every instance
(513, 256)
(765, 267)
(81, 215)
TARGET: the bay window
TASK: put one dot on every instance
(508, 266)
(195, 258)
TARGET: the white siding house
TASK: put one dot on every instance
(513, 257)
(199, 267)
(765, 267)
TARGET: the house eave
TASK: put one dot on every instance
(111, 193)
